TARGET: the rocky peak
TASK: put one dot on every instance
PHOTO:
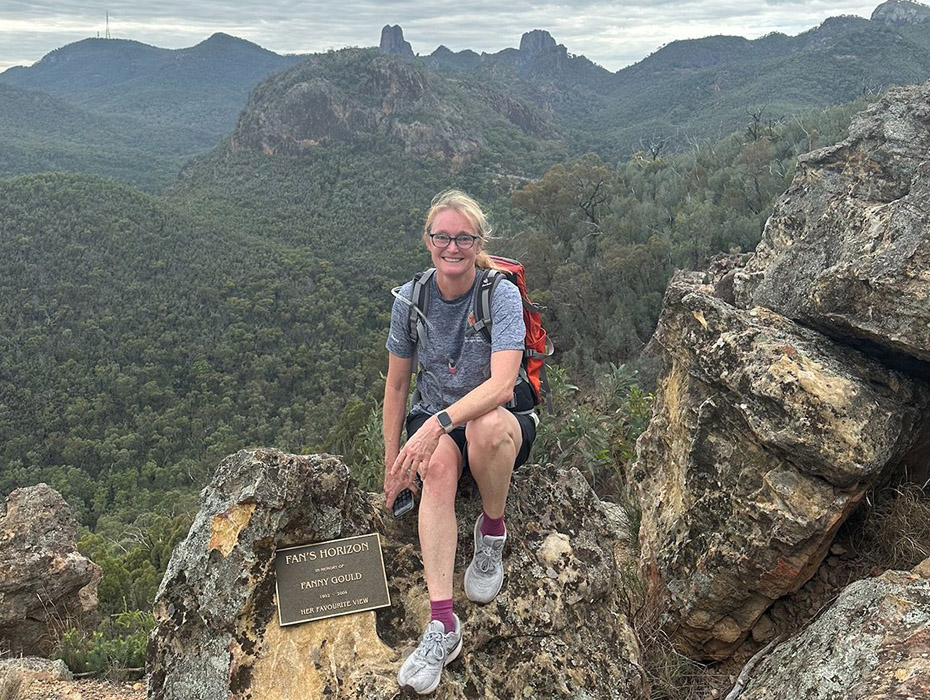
(392, 42)
(902, 12)
(537, 42)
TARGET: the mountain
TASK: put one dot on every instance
(204, 86)
(528, 107)
(127, 110)
(705, 88)
(362, 96)
(709, 87)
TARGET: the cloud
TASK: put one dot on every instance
(611, 33)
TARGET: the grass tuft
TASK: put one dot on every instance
(13, 684)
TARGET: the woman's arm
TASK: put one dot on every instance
(396, 389)
(493, 392)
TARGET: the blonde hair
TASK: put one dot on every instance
(460, 202)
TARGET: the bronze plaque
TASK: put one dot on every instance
(332, 578)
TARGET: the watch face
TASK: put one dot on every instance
(444, 420)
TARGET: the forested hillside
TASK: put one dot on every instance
(40, 133)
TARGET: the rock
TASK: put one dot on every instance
(536, 42)
(392, 42)
(847, 249)
(37, 668)
(45, 583)
(764, 630)
(765, 436)
(556, 629)
(897, 12)
(873, 642)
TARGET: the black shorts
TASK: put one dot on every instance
(527, 432)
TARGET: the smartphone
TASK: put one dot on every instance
(403, 503)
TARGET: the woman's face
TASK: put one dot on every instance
(452, 260)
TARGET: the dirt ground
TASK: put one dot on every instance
(87, 689)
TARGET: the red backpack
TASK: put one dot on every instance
(537, 346)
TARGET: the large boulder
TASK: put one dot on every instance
(555, 631)
(45, 583)
(873, 643)
(847, 249)
(765, 436)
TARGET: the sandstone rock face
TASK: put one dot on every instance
(44, 581)
(764, 438)
(356, 95)
(392, 42)
(847, 249)
(555, 631)
(873, 642)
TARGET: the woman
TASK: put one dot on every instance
(458, 422)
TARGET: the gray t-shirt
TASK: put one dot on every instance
(455, 361)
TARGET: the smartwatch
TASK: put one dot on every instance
(445, 422)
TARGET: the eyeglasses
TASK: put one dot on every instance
(463, 240)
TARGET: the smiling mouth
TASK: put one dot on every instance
(453, 260)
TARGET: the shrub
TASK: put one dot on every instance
(116, 648)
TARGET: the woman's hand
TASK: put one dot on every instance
(393, 483)
(413, 458)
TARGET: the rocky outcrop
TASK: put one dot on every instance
(555, 631)
(872, 643)
(847, 250)
(536, 42)
(764, 438)
(45, 583)
(392, 42)
(358, 95)
(901, 12)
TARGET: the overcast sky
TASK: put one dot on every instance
(613, 34)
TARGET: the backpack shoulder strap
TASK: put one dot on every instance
(419, 306)
(482, 302)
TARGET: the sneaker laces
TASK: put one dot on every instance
(485, 556)
(432, 646)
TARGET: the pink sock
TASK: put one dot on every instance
(442, 610)
(492, 526)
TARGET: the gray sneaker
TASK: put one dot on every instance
(422, 669)
(485, 575)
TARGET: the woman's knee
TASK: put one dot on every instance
(442, 477)
(492, 431)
